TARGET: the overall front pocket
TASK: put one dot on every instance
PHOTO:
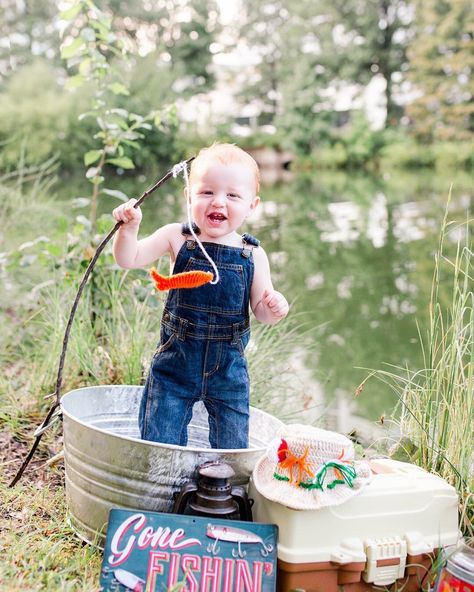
(225, 298)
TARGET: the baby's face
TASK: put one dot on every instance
(222, 196)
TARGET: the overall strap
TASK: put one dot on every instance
(185, 230)
(250, 243)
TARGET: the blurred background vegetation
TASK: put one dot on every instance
(339, 84)
(360, 114)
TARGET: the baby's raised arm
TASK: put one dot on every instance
(129, 252)
(268, 305)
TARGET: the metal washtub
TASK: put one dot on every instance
(108, 466)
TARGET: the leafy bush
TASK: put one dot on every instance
(355, 145)
(33, 106)
(362, 143)
(454, 155)
(330, 157)
(407, 154)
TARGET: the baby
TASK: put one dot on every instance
(204, 330)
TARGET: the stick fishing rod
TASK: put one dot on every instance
(55, 413)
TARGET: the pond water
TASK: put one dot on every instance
(355, 256)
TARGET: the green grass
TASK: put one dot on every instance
(436, 402)
(39, 550)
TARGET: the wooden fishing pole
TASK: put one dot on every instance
(53, 414)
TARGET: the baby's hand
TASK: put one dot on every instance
(276, 303)
(127, 214)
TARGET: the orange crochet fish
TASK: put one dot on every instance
(288, 460)
(187, 279)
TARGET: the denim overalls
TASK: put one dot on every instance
(204, 332)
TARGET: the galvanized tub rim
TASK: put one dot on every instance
(147, 442)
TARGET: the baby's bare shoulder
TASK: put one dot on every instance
(175, 236)
(259, 255)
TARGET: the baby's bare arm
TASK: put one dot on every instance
(129, 252)
(268, 305)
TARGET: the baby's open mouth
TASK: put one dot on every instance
(216, 216)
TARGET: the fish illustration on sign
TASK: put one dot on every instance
(235, 535)
(129, 580)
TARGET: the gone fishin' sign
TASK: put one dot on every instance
(155, 552)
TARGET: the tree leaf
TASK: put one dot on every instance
(118, 89)
(73, 49)
(116, 193)
(134, 145)
(54, 250)
(92, 156)
(71, 12)
(86, 114)
(84, 221)
(120, 112)
(92, 172)
(88, 34)
(124, 162)
(75, 81)
(85, 66)
(80, 202)
(102, 30)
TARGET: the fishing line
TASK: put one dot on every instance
(182, 167)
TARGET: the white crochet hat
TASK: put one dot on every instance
(308, 468)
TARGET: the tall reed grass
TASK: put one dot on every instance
(274, 377)
(436, 403)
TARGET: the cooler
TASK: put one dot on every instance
(389, 533)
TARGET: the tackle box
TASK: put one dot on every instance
(385, 538)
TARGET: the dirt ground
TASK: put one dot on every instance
(38, 472)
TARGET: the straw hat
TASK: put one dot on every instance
(308, 468)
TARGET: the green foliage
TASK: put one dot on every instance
(327, 157)
(308, 124)
(33, 106)
(441, 64)
(454, 155)
(362, 143)
(407, 153)
(28, 31)
(176, 37)
(354, 146)
(262, 26)
(303, 48)
(258, 139)
(89, 46)
(375, 34)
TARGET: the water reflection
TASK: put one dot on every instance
(356, 254)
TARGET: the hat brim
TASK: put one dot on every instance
(300, 498)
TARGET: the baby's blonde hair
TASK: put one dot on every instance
(227, 154)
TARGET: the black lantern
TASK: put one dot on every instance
(213, 496)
